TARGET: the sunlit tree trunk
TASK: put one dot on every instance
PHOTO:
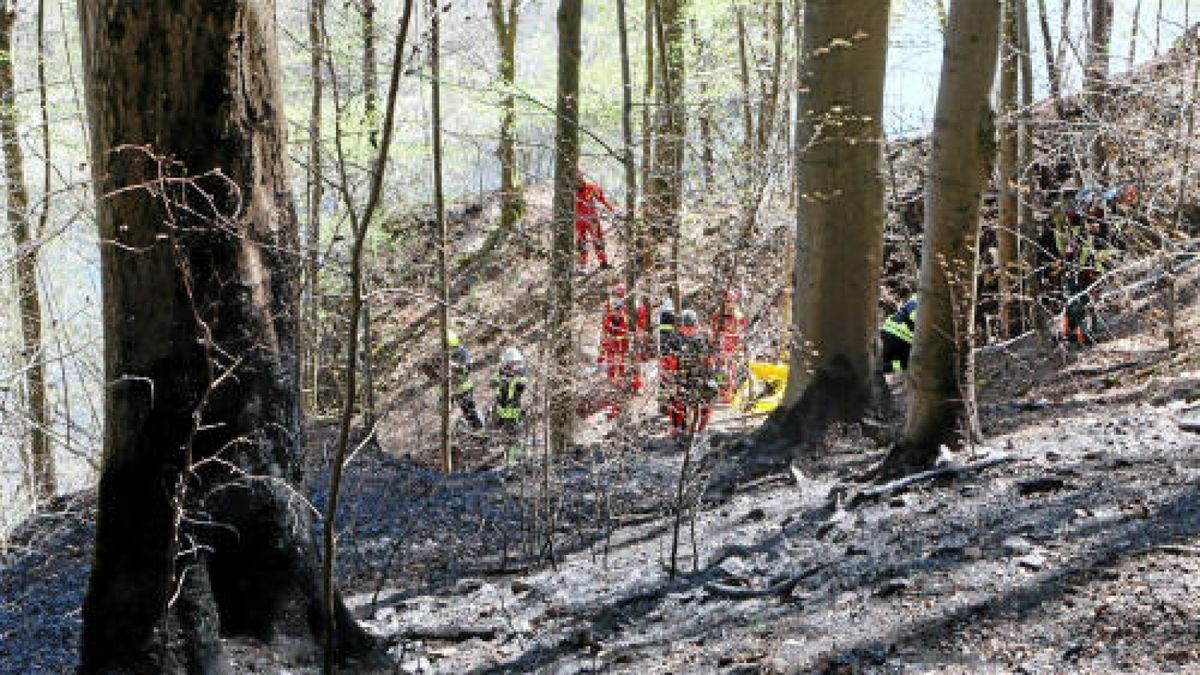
(664, 190)
(648, 91)
(1031, 291)
(1095, 82)
(562, 283)
(961, 158)
(198, 533)
(40, 465)
(839, 219)
(512, 202)
(1006, 172)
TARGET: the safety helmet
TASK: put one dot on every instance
(512, 355)
(731, 296)
(619, 291)
(453, 340)
(668, 305)
(688, 317)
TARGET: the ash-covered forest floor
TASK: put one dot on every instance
(1080, 552)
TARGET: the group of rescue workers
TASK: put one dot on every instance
(698, 366)
(695, 366)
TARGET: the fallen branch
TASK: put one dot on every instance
(781, 587)
(447, 633)
(896, 486)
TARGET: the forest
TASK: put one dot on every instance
(553, 336)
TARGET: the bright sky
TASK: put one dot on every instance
(914, 62)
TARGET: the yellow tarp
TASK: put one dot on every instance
(762, 391)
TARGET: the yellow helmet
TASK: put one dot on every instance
(453, 340)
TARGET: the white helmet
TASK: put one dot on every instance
(512, 355)
(668, 305)
(689, 318)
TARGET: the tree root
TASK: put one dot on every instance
(781, 587)
(889, 489)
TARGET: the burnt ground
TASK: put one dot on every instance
(1077, 550)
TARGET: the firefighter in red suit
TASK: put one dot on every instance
(614, 356)
(588, 198)
(728, 327)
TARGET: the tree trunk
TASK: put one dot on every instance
(312, 350)
(647, 129)
(370, 71)
(562, 291)
(1035, 315)
(839, 219)
(664, 190)
(512, 200)
(202, 417)
(40, 468)
(744, 71)
(1006, 173)
(960, 161)
(1095, 82)
(1052, 64)
(365, 362)
(439, 205)
(1133, 33)
(632, 236)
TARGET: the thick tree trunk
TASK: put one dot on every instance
(960, 160)
(40, 455)
(1133, 33)
(562, 260)
(512, 201)
(1095, 82)
(664, 189)
(1006, 173)
(198, 531)
(839, 219)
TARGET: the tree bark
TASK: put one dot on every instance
(1052, 64)
(648, 90)
(312, 350)
(1035, 315)
(1095, 82)
(562, 283)
(960, 160)
(40, 454)
(664, 189)
(1133, 33)
(512, 202)
(198, 532)
(439, 205)
(839, 219)
(370, 71)
(632, 234)
(1006, 173)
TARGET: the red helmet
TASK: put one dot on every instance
(619, 291)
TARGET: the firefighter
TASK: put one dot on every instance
(728, 327)
(588, 198)
(694, 388)
(896, 337)
(613, 355)
(510, 381)
(462, 389)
